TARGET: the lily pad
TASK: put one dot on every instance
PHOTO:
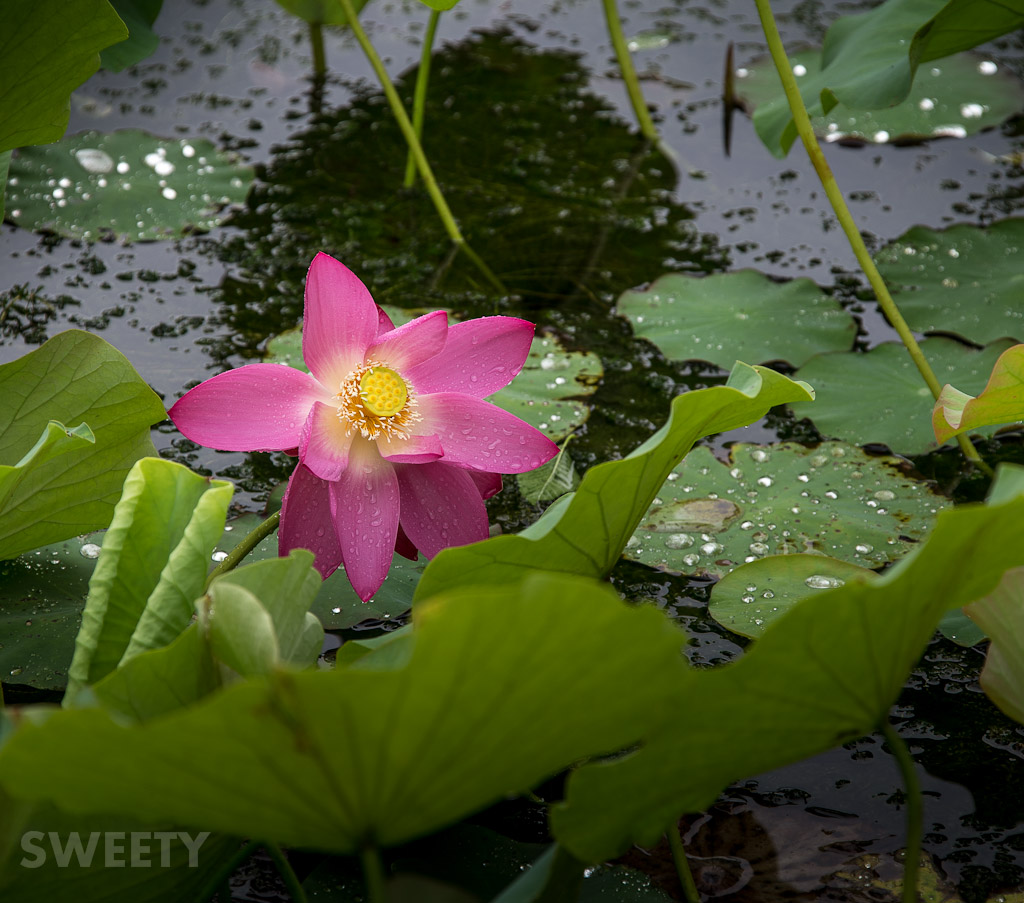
(42, 594)
(127, 183)
(833, 500)
(743, 315)
(951, 98)
(750, 598)
(549, 481)
(336, 604)
(964, 280)
(880, 396)
(545, 393)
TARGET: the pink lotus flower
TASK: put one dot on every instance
(397, 448)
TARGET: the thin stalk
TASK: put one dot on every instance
(261, 532)
(316, 38)
(217, 881)
(915, 813)
(419, 99)
(636, 97)
(842, 212)
(395, 102)
(287, 873)
(690, 893)
(373, 874)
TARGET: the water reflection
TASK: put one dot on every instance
(565, 204)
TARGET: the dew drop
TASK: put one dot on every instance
(90, 550)
(219, 555)
(821, 581)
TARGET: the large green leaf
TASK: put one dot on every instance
(960, 96)
(69, 485)
(1001, 615)
(834, 500)
(42, 594)
(824, 673)
(742, 315)
(47, 49)
(966, 280)
(152, 567)
(491, 700)
(127, 184)
(584, 533)
(881, 397)
(1001, 402)
(139, 16)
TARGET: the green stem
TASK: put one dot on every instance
(217, 881)
(690, 893)
(419, 100)
(373, 874)
(395, 102)
(915, 814)
(636, 97)
(316, 38)
(287, 873)
(239, 552)
(842, 212)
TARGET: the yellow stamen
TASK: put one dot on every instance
(378, 402)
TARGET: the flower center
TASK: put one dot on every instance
(383, 392)
(376, 401)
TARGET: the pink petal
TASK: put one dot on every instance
(364, 504)
(325, 442)
(404, 546)
(441, 507)
(306, 521)
(481, 436)
(414, 450)
(259, 407)
(340, 321)
(384, 323)
(488, 483)
(480, 357)
(411, 343)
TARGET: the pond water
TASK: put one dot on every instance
(530, 132)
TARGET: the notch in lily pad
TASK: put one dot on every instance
(127, 184)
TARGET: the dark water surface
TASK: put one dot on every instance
(531, 136)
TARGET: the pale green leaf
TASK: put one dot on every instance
(1001, 402)
(73, 378)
